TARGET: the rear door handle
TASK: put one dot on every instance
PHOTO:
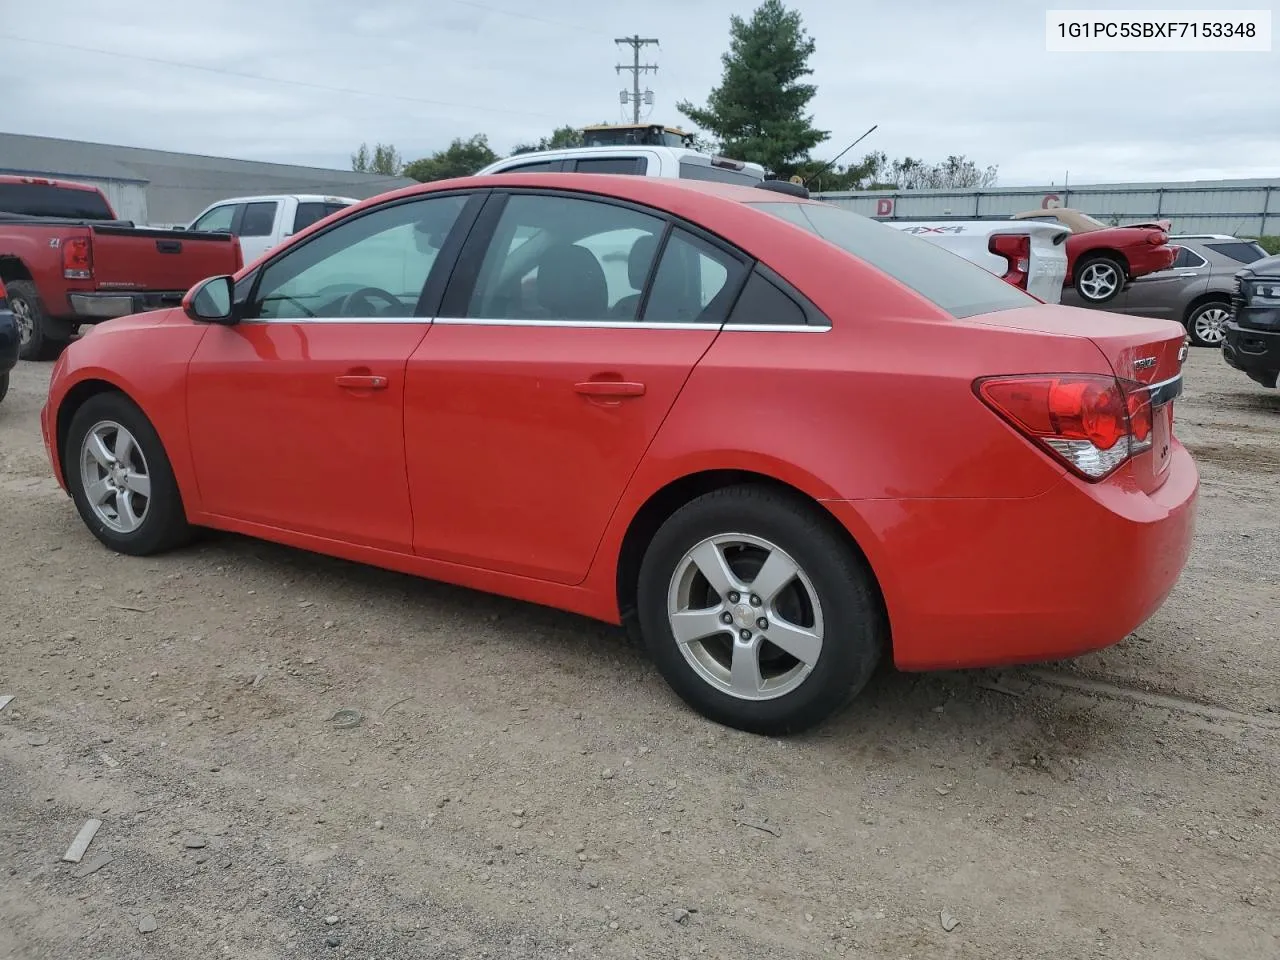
(352, 381)
(609, 388)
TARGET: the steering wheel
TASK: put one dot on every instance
(363, 295)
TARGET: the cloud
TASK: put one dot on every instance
(938, 76)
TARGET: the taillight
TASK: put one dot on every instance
(1092, 423)
(1157, 238)
(77, 258)
(1016, 250)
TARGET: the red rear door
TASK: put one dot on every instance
(542, 384)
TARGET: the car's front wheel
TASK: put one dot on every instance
(120, 477)
(1099, 280)
(758, 612)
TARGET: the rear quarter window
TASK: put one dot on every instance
(961, 288)
(690, 170)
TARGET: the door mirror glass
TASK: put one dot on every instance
(210, 301)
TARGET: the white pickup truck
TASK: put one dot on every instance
(641, 160)
(265, 221)
(1031, 255)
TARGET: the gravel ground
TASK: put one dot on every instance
(522, 784)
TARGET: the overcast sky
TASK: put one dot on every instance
(938, 76)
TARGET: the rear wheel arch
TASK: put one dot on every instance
(1198, 301)
(665, 501)
(1105, 253)
(13, 269)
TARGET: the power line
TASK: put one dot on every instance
(293, 83)
(634, 97)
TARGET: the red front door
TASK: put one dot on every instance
(299, 426)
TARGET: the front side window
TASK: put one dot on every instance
(217, 220)
(562, 258)
(961, 288)
(374, 265)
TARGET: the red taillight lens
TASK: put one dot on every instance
(77, 258)
(1157, 238)
(1092, 423)
(1016, 250)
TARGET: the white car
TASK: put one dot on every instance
(643, 160)
(263, 222)
(1030, 254)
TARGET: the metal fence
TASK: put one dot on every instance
(1246, 208)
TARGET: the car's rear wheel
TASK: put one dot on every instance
(120, 478)
(36, 340)
(759, 614)
(1099, 280)
(4, 384)
(1207, 323)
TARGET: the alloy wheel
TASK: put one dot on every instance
(1099, 280)
(26, 325)
(746, 617)
(1210, 325)
(115, 477)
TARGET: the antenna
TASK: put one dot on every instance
(827, 166)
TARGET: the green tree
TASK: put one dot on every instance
(461, 158)
(758, 111)
(384, 160)
(561, 138)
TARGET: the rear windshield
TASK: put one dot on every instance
(961, 288)
(1239, 251)
(44, 200)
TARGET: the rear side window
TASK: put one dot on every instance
(538, 166)
(46, 200)
(1239, 251)
(695, 282)
(258, 219)
(961, 288)
(691, 170)
(1188, 258)
(625, 165)
(313, 210)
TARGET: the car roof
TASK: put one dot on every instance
(300, 197)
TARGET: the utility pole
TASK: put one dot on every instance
(634, 97)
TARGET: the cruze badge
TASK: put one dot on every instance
(1143, 363)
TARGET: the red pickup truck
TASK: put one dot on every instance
(66, 260)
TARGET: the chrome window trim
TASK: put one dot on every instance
(570, 324)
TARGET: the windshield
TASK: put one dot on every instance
(961, 288)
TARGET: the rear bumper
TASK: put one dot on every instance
(981, 583)
(1146, 258)
(1255, 353)
(93, 307)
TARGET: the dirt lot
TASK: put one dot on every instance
(522, 784)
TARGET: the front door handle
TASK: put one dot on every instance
(609, 388)
(353, 381)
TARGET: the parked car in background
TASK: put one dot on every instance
(786, 442)
(8, 341)
(1031, 256)
(680, 163)
(1252, 341)
(262, 223)
(66, 261)
(1102, 259)
(1196, 291)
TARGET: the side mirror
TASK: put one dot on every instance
(210, 301)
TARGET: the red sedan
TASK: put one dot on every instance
(779, 438)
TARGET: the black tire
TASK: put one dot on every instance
(36, 338)
(1195, 317)
(1101, 263)
(164, 523)
(854, 629)
(4, 384)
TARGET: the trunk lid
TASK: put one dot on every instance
(130, 258)
(1136, 349)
